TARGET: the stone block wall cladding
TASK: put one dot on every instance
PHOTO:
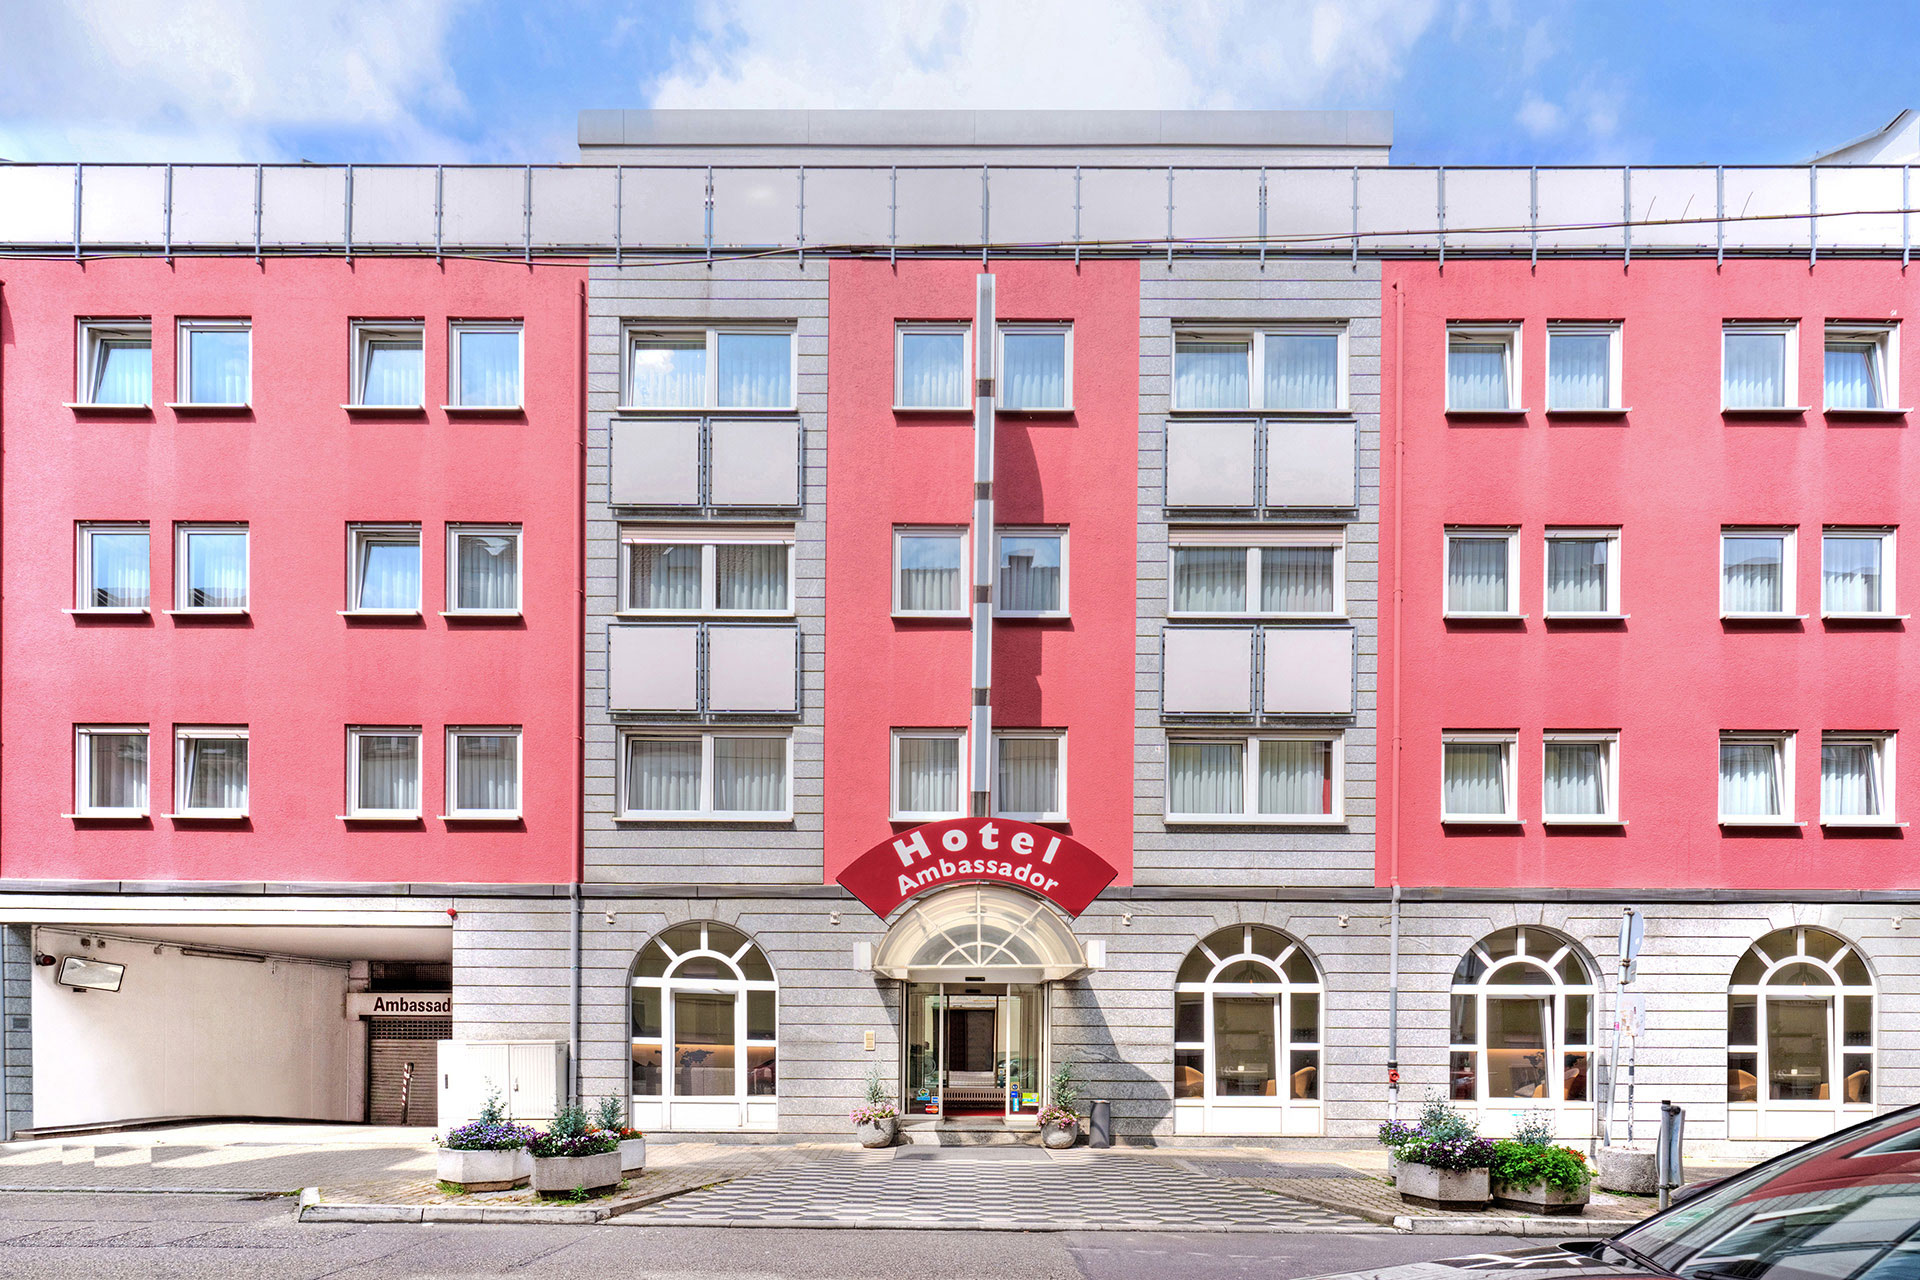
(16, 1032)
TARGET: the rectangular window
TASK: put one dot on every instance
(1476, 778)
(389, 364)
(1756, 778)
(1299, 369)
(1030, 776)
(1862, 367)
(115, 362)
(484, 361)
(1483, 573)
(1856, 573)
(210, 568)
(1483, 368)
(739, 776)
(383, 772)
(929, 572)
(930, 367)
(1583, 573)
(1305, 370)
(725, 368)
(110, 771)
(210, 772)
(1031, 578)
(115, 570)
(928, 765)
(1757, 366)
(215, 362)
(1212, 372)
(1580, 781)
(1856, 779)
(719, 572)
(483, 569)
(1289, 778)
(1291, 573)
(1583, 367)
(1756, 573)
(383, 568)
(483, 773)
(1036, 367)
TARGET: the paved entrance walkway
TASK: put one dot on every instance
(255, 1158)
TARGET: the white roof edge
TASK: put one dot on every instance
(1893, 126)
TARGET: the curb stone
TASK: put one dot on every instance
(1558, 1228)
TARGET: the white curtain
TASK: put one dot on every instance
(1752, 582)
(1577, 575)
(1206, 778)
(1850, 575)
(1477, 375)
(1296, 579)
(389, 771)
(487, 771)
(1209, 579)
(663, 774)
(216, 570)
(1756, 371)
(488, 571)
(1849, 780)
(1029, 770)
(1303, 371)
(1851, 380)
(663, 575)
(750, 576)
(1476, 778)
(123, 371)
(668, 373)
(1210, 375)
(117, 771)
(1750, 779)
(1477, 575)
(119, 570)
(933, 370)
(490, 367)
(1295, 777)
(1029, 573)
(1036, 372)
(395, 373)
(389, 574)
(749, 775)
(216, 773)
(217, 363)
(929, 573)
(1579, 370)
(1576, 779)
(756, 370)
(929, 775)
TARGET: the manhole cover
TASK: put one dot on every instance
(1272, 1169)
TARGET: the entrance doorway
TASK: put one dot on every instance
(975, 1050)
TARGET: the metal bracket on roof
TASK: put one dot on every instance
(76, 211)
(986, 215)
(1906, 205)
(1626, 215)
(526, 213)
(708, 217)
(1813, 214)
(893, 214)
(801, 207)
(259, 187)
(346, 231)
(1076, 215)
(1263, 218)
(1356, 218)
(1440, 203)
(1719, 216)
(1169, 217)
(167, 215)
(1533, 217)
(619, 214)
(439, 208)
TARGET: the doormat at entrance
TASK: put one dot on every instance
(1271, 1169)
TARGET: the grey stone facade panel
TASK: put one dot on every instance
(16, 1028)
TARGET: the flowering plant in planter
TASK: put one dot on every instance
(873, 1113)
(1060, 1116)
(608, 1118)
(1521, 1164)
(876, 1121)
(488, 1153)
(1060, 1121)
(1442, 1162)
(570, 1135)
(491, 1131)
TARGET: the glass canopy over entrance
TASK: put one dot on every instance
(980, 933)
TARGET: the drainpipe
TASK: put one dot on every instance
(980, 720)
(580, 708)
(1399, 595)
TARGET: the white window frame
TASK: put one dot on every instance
(1612, 539)
(1610, 741)
(632, 335)
(1512, 535)
(709, 540)
(706, 812)
(1889, 604)
(962, 782)
(1885, 777)
(1782, 742)
(359, 535)
(183, 735)
(1249, 814)
(1056, 736)
(1256, 344)
(1885, 339)
(1510, 744)
(1613, 331)
(83, 769)
(84, 533)
(368, 332)
(1000, 364)
(1507, 334)
(94, 334)
(456, 531)
(924, 327)
(183, 359)
(1790, 353)
(182, 579)
(1789, 568)
(354, 733)
(1253, 541)
(456, 332)
(454, 734)
(963, 535)
(1034, 531)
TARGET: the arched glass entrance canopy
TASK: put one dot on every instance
(980, 932)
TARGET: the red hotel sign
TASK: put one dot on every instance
(937, 855)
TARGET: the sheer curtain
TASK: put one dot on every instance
(1756, 371)
(1750, 779)
(123, 372)
(1029, 573)
(119, 570)
(1296, 777)
(216, 773)
(749, 775)
(1576, 779)
(1476, 778)
(1577, 575)
(1209, 579)
(389, 573)
(1296, 579)
(1579, 370)
(216, 571)
(490, 367)
(933, 370)
(1850, 574)
(1029, 770)
(395, 373)
(1036, 372)
(1477, 575)
(117, 771)
(663, 575)
(1210, 375)
(1477, 375)
(1849, 780)
(1206, 777)
(929, 775)
(929, 573)
(668, 373)
(750, 576)
(487, 772)
(1303, 371)
(663, 774)
(217, 364)
(1753, 582)
(488, 571)
(389, 772)
(1852, 381)
(756, 370)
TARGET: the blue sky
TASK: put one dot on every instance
(1469, 81)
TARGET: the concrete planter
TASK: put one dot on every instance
(1422, 1184)
(1625, 1169)
(1059, 1137)
(633, 1155)
(485, 1170)
(1538, 1197)
(878, 1134)
(555, 1175)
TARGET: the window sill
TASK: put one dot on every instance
(481, 615)
(1261, 820)
(386, 410)
(1586, 617)
(1032, 617)
(1567, 820)
(1484, 617)
(1620, 412)
(195, 406)
(206, 613)
(1036, 411)
(479, 817)
(1870, 824)
(109, 815)
(378, 613)
(1264, 617)
(1241, 411)
(103, 409)
(1480, 820)
(931, 617)
(916, 819)
(681, 819)
(131, 612)
(946, 410)
(1766, 411)
(1867, 413)
(222, 815)
(484, 410)
(1452, 412)
(1865, 617)
(1763, 617)
(1760, 823)
(724, 615)
(713, 411)
(377, 817)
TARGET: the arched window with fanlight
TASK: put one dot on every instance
(1246, 1036)
(1521, 1033)
(1800, 1036)
(705, 1031)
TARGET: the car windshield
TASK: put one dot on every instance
(1844, 1208)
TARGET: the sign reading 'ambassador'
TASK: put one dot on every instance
(937, 855)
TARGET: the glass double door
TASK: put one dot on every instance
(974, 1051)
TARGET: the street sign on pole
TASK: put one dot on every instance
(1630, 1014)
(1633, 930)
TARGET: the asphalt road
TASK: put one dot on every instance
(44, 1235)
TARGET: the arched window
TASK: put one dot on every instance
(1522, 1030)
(1246, 1035)
(1799, 1036)
(704, 1031)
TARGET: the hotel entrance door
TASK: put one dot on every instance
(975, 1051)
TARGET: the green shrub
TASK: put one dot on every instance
(1522, 1164)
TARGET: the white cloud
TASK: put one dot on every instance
(1539, 117)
